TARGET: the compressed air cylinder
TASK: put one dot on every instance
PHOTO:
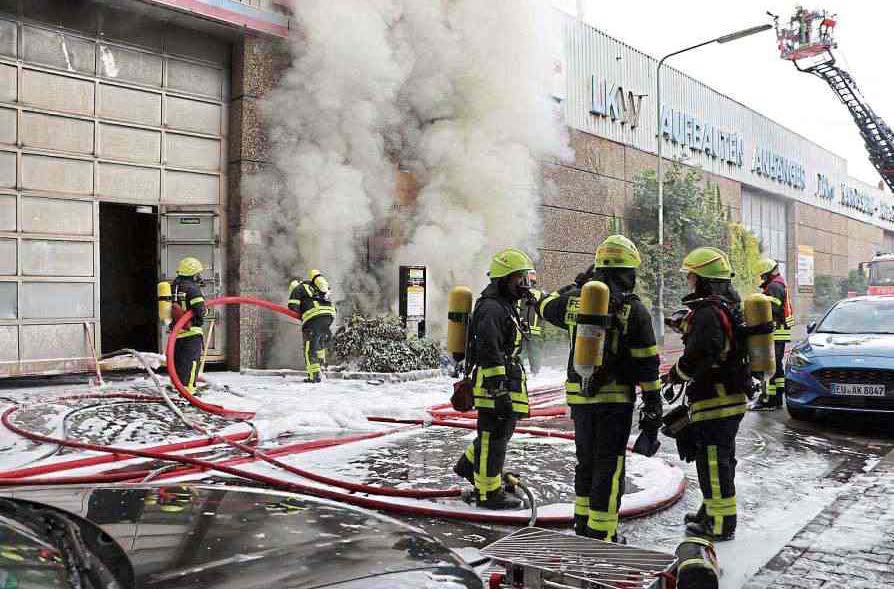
(592, 321)
(164, 300)
(759, 311)
(697, 568)
(459, 306)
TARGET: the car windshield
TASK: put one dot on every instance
(859, 316)
(882, 272)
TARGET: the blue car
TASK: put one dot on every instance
(847, 361)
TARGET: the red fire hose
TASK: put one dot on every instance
(172, 339)
(344, 490)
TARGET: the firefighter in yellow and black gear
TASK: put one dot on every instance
(773, 286)
(715, 371)
(534, 333)
(186, 294)
(312, 301)
(500, 392)
(603, 411)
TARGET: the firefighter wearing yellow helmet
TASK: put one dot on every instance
(312, 301)
(186, 294)
(715, 369)
(499, 388)
(602, 406)
(773, 286)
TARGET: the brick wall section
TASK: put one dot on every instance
(582, 196)
(257, 64)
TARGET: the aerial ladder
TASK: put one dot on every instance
(807, 41)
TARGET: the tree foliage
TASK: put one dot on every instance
(694, 216)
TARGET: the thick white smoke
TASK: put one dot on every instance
(483, 134)
(455, 91)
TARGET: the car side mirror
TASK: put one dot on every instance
(811, 327)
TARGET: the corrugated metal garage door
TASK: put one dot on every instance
(765, 216)
(105, 107)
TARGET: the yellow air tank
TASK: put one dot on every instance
(164, 300)
(459, 306)
(592, 321)
(759, 311)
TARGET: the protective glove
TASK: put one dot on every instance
(585, 276)
(650, 415)
(651, 412)
(672, 377)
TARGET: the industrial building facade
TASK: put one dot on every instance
(794, 195)
(128, 129)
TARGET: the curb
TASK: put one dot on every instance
(412, 375)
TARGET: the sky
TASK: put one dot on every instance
(749, 70)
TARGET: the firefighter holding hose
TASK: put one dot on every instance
(186, 295)
(311, 300)
(499, 389)
(602, 404)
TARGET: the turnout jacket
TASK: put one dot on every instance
(496, 340)
(783, 319)
(630, 355)
(309, 301)
(709, 364)
(186, 293)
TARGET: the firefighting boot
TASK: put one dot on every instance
(695, 516)
(763, 404)
(500, 499)
(600, 535)
(580, 525)
(705, 529)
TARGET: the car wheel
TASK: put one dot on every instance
(799, 413)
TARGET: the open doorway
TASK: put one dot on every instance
(128, 266)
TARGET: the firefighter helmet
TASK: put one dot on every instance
(766, 265)
(509, 261)
(617, 252)
(189, 266)
(708, 262)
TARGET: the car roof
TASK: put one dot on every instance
(884, 297)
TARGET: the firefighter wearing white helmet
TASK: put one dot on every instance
(499, 389)
(602, 405)
(773, 286)
(312, 301)
(186, 294)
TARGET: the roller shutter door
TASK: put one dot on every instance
(136, 115)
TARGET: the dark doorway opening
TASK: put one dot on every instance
(128, 265)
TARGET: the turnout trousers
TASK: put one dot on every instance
(316, 335)
(601, 431)
(776, 386)
(482, 462)
(715, 462)
(187, 355)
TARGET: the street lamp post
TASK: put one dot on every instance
(659, 315)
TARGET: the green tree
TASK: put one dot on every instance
(744, 255)
(694, 216)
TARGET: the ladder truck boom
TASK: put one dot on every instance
(807, 41)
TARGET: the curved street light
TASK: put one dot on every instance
(659, 315)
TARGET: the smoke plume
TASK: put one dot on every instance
(454, 91)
